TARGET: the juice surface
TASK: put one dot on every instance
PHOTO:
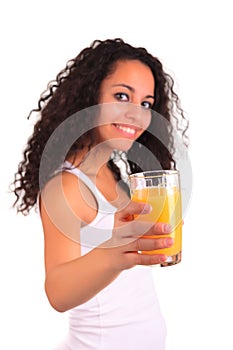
(166, 204)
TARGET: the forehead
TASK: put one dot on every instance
(133, 71)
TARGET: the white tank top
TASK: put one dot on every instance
(126, 314)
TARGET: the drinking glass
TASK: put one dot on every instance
(161, 189)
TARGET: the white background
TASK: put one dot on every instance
(194, 41)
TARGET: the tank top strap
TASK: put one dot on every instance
(100, 229)
(103, 205)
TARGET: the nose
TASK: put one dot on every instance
(133, 111)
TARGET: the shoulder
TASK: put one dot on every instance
(61, 222)
(66, 198)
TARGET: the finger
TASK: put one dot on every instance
(133, 229)
(133, 208)
(148, 244)
(159, 228)
(135, 258)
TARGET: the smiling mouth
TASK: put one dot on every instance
(126, 129)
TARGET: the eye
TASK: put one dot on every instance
(121, 96)
(146, 104)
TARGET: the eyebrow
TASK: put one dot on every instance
(132, 89)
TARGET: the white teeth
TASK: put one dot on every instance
(126, 129)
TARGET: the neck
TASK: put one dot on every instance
(95, 159)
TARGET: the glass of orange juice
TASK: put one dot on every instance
(161, 189)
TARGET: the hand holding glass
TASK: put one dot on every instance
(161, 189)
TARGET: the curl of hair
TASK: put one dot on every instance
(76, 88)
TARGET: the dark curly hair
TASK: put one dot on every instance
(76, 88)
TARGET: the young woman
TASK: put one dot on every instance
(111, 100)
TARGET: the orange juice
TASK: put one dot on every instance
(166, 208)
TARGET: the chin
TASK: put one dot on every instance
(122, 145)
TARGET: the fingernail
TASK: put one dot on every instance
(169, 241)
(167, 228)
(162, 258)
(147, 209)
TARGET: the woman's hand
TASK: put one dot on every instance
(128, 239)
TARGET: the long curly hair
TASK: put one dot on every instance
(76, 88)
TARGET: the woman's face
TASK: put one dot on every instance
(126, 98)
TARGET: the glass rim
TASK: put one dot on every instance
(154, 173)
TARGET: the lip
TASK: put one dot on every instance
(126, 129)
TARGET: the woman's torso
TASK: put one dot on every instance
(126, 314)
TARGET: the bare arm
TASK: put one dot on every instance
(72, 279)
